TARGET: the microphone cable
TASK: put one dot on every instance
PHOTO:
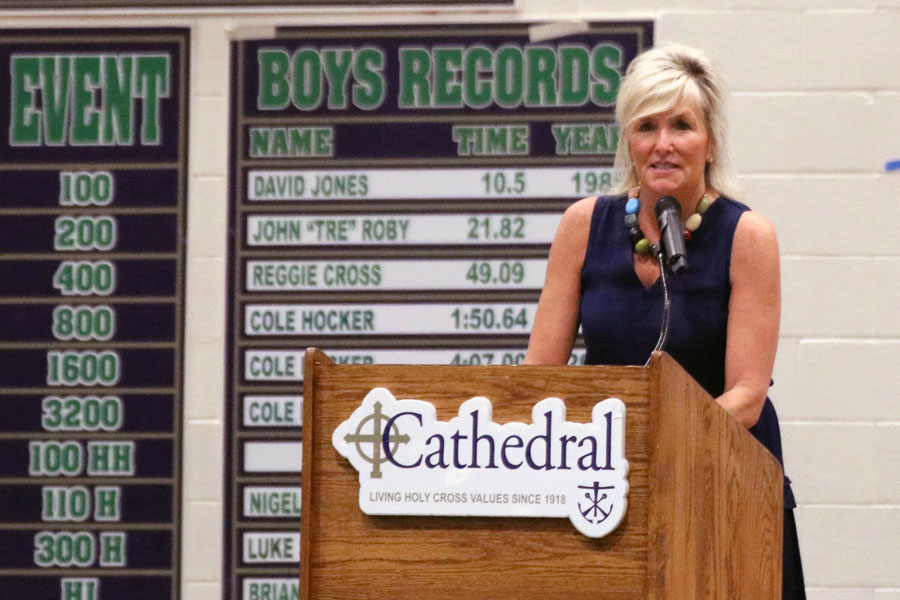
(667, 303)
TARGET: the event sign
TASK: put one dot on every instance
(393, 195)
(93, 183)
(410, 463)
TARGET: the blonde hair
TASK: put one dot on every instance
(655, 81)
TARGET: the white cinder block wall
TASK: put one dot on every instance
(815, 114)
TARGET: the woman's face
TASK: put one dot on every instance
(670, 151)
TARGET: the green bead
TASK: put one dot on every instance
(704, 204)
(643, 246)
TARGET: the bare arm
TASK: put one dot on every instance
(556, 320)
(754, 312)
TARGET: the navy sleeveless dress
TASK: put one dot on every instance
(620, 318)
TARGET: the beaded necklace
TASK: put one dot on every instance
(641, 244)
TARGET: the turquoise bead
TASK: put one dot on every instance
(632, 206)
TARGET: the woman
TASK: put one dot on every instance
(602, 272)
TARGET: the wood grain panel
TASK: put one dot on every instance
(703, 520)
(715, 498)
(358, 556)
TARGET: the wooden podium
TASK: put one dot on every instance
(705, 506)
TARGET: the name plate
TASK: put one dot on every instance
(409, 463)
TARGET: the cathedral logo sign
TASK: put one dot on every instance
(410, 463)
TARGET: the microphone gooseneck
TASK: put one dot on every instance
(671, 253)
(671, 234)
(667, 304)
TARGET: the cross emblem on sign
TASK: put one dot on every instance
(376, 438)
(594, 512)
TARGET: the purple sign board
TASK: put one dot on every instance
(93, 171)
(394, 192)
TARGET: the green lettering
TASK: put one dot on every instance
(541, 81)
(25, 122)
(464, 136)
(279, 142)
(274, 87)
(574, 75)
(256, 504)
(477, 91)
(307, 93)
(587, 138)
(112, 549)
(562, 134)
(301, 141)
(497, 141)
(56, 74)
(337, 72)
(107, 505)
(153, 75)
(606, 65)
(415, 69)
(86, 121)
(519, 142)
(447, 86)
(118, 119)
(291, 141)
(508, 76)
(369, 89)
(86, 99)
(601, 141)
(259, 141)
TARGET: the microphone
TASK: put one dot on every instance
(671, 233)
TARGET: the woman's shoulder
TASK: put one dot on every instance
(748, 220)
(579, 221)
(576, 222)
(752, 231)
(729, 204)
(584, 210)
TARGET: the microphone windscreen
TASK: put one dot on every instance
(667, 203)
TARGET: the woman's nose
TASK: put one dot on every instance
(663, 139)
